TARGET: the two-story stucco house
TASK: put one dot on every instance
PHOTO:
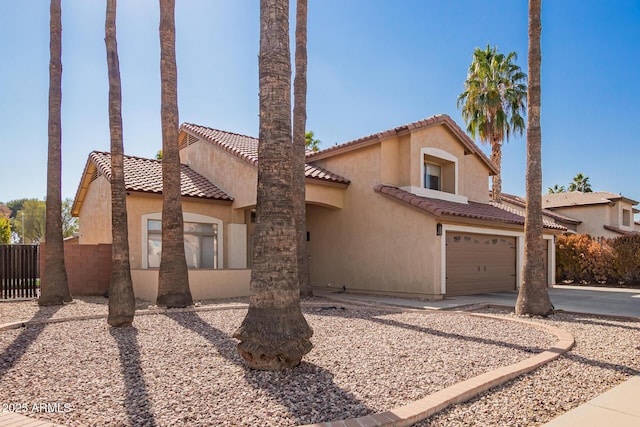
(601, 214)
(401, 212)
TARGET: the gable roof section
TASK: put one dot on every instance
(445, 208)
(145, 175)
(522, 202)
(578, 198)
(246, 148)
(440, 119)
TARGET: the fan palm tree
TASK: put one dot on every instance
(121, 299)
(299, 147)
(55, 287)
(580, 183)
(493, 103)
(274, 335)
(556, 189)
(173, 277)
(533, 297)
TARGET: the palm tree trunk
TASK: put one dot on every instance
(533, 297)
(496, 180)
(299, 148)
(274, 335)
(55, 287)
(173, 280)
(121, 299)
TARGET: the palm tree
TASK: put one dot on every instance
(299, 147)
(580, 183)
(556, 189)
(493, 102)
(533, 297)
(55, 287)
(310, 141)
(173, 277)
(121, 299)
(274, 335)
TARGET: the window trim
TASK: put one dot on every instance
(437, 194)
(629, 216)
(186, 217)
(439, 154)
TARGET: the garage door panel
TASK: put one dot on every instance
(478, 263)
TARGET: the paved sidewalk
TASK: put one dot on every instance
(617, 407)
(583, 299)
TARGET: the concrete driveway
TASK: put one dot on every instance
(583, 299)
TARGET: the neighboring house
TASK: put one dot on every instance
(520, 205)
(601, 214)
(401, 212)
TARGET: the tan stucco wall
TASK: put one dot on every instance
(95, 215)
(230, 173)
(204, 284)
(373, 243)
(593, 218)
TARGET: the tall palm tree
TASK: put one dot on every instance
(55, 287)
(299, 147)
(121, 299)
(580, 183)
(533, 297)
(274, 335)
(173, 280)
(493, 103)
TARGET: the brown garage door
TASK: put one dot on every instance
(479, 263)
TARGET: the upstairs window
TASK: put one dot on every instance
(626, 217)
(432, 175)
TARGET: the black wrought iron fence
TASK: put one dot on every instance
(19, 271)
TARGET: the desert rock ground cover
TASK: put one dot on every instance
(181, 367)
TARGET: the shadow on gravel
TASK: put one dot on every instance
(594, 320)
(27, 336)
(137, 403)
(307, 391)
(373, 317)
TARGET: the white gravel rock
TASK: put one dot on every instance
(182, 368)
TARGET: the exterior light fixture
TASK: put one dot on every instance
(438, 229)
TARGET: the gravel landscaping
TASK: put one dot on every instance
(181, 368)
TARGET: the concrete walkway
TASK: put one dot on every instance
(617, 407)
(583, 299)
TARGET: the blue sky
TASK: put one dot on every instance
(373, 65)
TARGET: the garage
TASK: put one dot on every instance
(477, 263)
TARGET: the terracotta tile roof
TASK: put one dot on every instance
(440, 119)
(444, 208)
(246, 148)
(578, 198)
(145, 175)
(522, 202)
(620, 231)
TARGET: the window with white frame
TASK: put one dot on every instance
(439, 173)
(200, 244)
